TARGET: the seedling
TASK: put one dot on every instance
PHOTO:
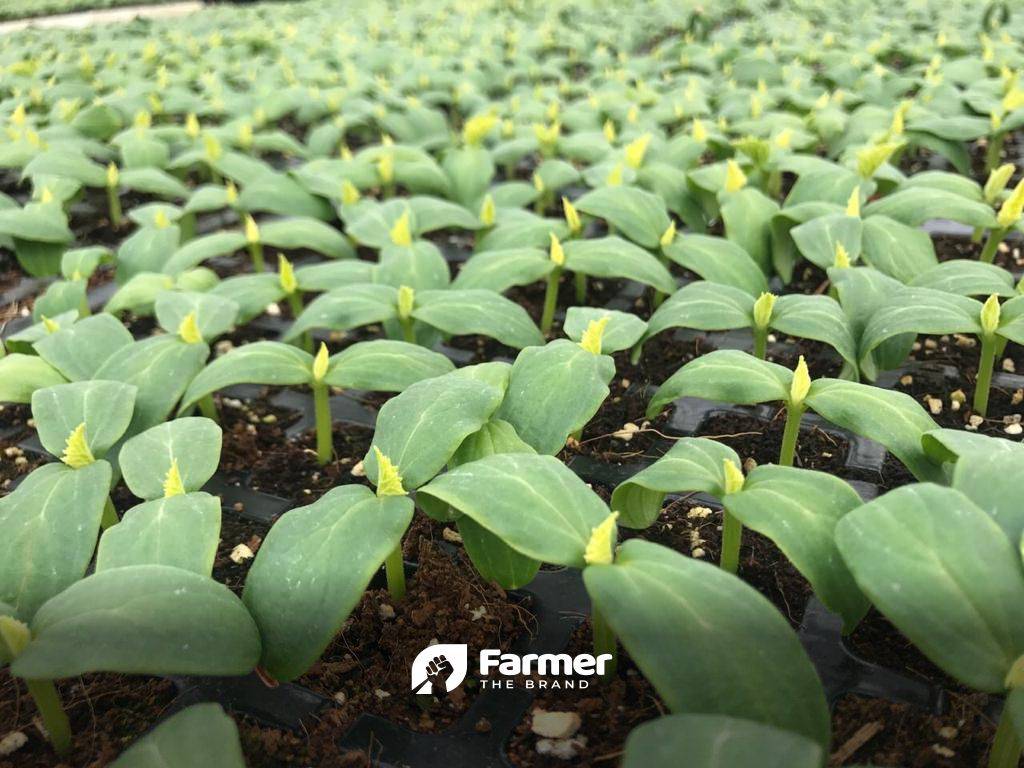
(891, 418)
(388, 366)
(927, 310)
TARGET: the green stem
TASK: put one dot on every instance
(305, 341)
(394, 569)
(984, 380)
(550, 300)
(187, 225)
(604, 640)
(322, 411)
(114, 203)
(408, 331)
(995, 237)
(581, 287)
(994, 152)
(1006, 746)
(55, 719)
(732, 534)
(110, 517)
(976, 234)
(208, 408)
(760, 342)
(793, 416)
(636, 352)
(256, 252)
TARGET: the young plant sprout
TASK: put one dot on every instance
(928, 310)
(891, 418)
(388, 366)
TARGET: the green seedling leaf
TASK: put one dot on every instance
(916, 205)
(966, 277)
(714, 741)
(79, 350)
(622, 330)
(986, 476)
(532, 503)
(313, 568)
(141, 619)
(501, 270)
(747, 215)
(262, 362)
(49, 526)
(385, 366)
(617, 258)
(896, 249)
(196, 251)
(309, 233)
(161, 367)
(21, 375)
(727, 375)
(718, 260)
(638, 214)
(348, 307)
(180, 531)
(942, 570)
(251, 293)
(477, 311)
(554, 391)
(189, 446)
(692, 464)
(421, 428)
(752, 658)
(213, 315)
(798, 509)
(104, 407)
(199, 735)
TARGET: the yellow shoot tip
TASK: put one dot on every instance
(734, 479)
(538, 182)
(477, 128)
(636, 150)
(252, 230)
(853, 203)
(173, 485)
(350, 194)
(668, 236)
(286, 275)
(212, 147)
(389, 482)
(50, 325)
(615, 176)
(76, 450)
(46, 196)
(400, 233)
(488, 211)
(1012, 208)
(842, 260)
(700, 133)
(406, 301)
(593, 335)
(600, 548)
(735, 178)
(321, 362)
(113, 175)
(386, 168)
(188, 329)
(990, 315)
(609, 131)
(192, 127)
(556, 252)
(572, 217)
(763, 308)
(997, 181)
(231, 192)
(801, 383)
